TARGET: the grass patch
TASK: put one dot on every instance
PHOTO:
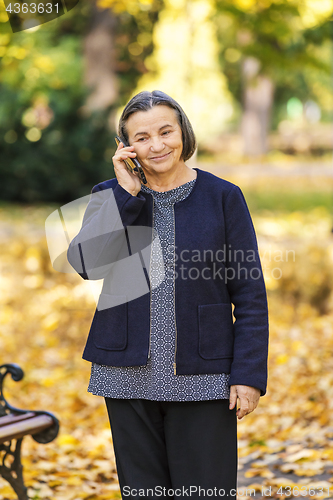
(287, 200)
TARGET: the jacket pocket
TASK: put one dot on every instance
(215, 331)
(110, 323)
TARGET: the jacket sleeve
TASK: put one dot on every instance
(247, 291)
(102, 238)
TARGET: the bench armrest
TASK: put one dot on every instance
(46, 435)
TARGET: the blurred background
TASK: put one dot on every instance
(255, 78)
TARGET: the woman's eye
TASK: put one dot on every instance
(166, 132)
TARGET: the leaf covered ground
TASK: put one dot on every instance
(44, 321)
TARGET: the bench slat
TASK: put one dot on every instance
(10, 418)
(20, 429)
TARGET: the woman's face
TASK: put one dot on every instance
(157, 139)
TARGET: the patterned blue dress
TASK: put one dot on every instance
(156, 380)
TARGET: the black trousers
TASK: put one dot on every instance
(173, 449)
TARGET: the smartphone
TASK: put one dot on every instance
(132, 163)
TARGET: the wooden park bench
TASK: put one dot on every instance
(14, 425)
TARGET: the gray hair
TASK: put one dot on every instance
(147, 100)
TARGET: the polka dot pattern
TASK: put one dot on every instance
(156, 380)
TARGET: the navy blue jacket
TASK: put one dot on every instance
(217, 265)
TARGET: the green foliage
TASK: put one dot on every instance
(68, 155)
(62, 159)
(65, 163)
(298, 59)
(134, 43)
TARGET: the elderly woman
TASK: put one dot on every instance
(168, 354)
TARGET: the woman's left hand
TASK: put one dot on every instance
(248, 399)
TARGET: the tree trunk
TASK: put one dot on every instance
(258, 100)
(99, 58)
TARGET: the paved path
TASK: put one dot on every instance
(278, 471)
(257, 169)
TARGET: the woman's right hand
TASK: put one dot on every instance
(127, 180)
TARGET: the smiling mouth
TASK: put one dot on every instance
(160, 157)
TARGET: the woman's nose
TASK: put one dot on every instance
(156, 144)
